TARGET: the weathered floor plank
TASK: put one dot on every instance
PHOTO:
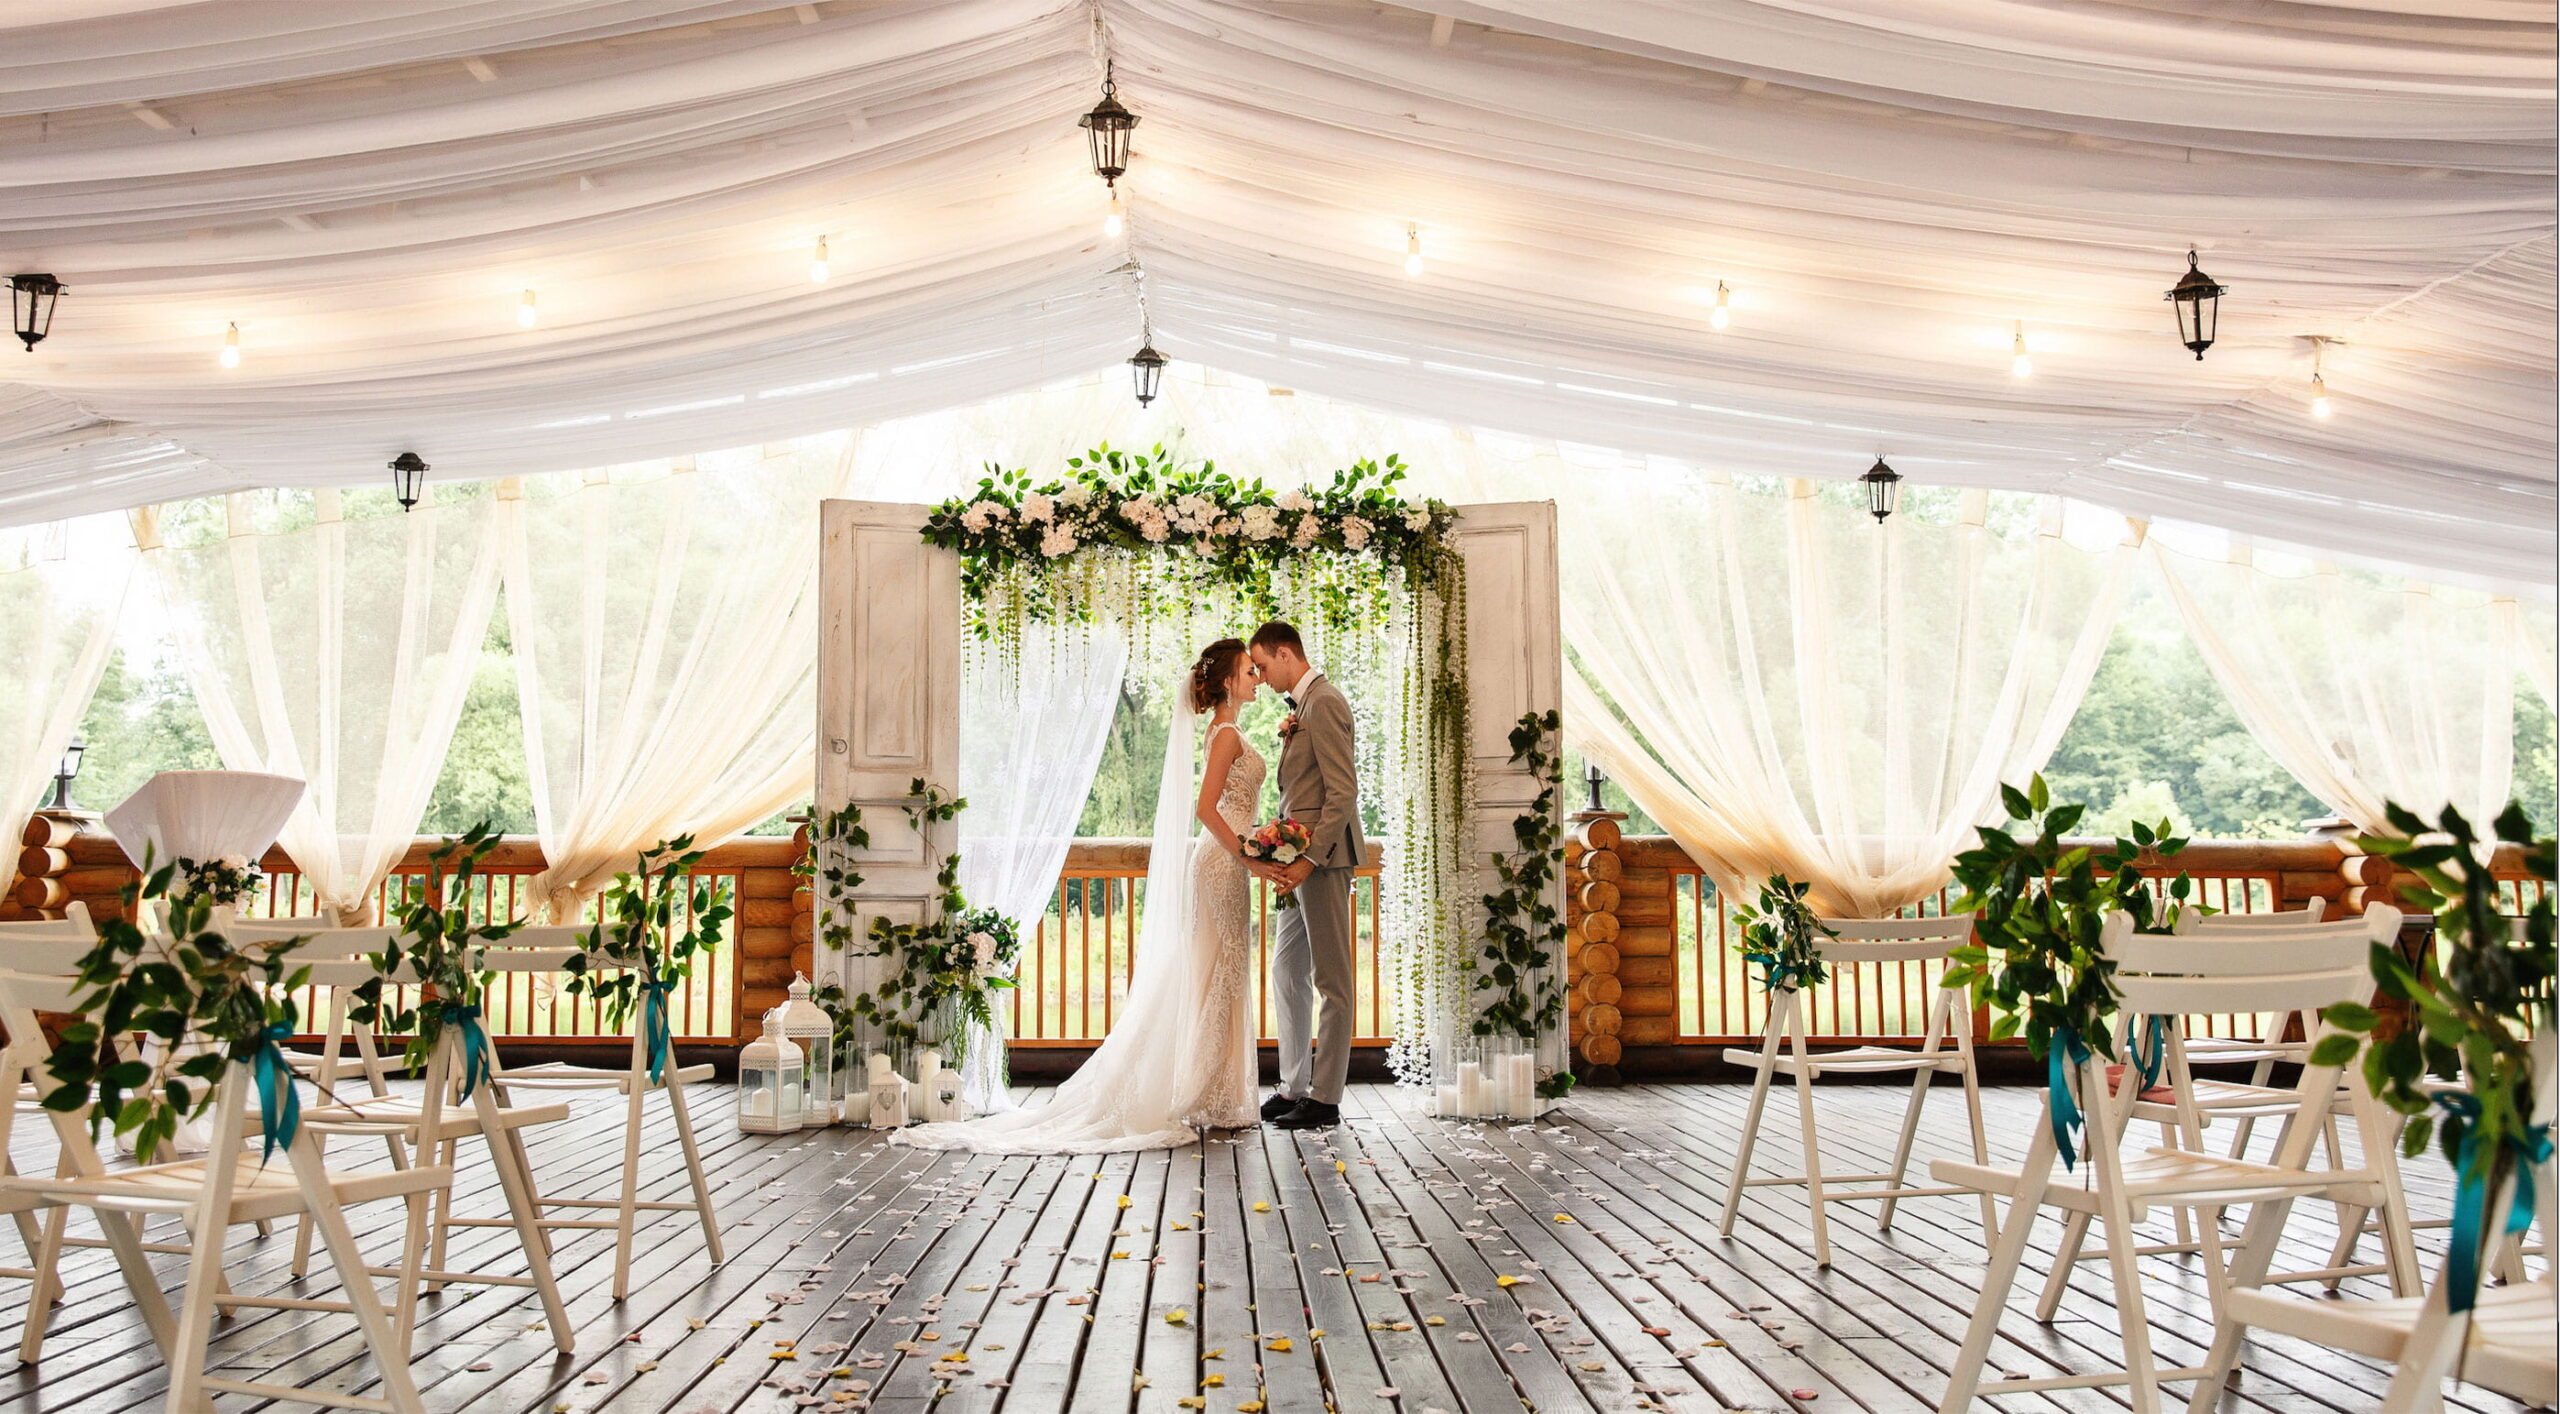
(1356, 1270)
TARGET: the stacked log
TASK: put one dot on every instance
(773, 927)
(67, 857)
(1593, 897)
(1648, 944)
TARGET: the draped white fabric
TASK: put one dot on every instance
(337, 652)
(1886, 186)
(1031, 734)
(665, 629)
(2366, 690)
(1790, 688)
(57, 626)
(2533, 625)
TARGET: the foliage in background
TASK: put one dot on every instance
(2472, 1013)
(1781, 935)
(185, 983)
(448, 951)
(1523, 928)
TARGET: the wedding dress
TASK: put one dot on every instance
(1180, 1060)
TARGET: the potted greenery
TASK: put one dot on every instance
(655, 922)
(2471, 1014)
(183, 984)
(2039, 905)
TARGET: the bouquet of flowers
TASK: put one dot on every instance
(1283, 842)
(230, 879)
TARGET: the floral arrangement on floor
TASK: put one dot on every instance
(2039, 906)
(945, 970)
(1781, 936)
(2469, 1021)
(438, 938)
(184, 984)
(228, 880)
(1524, 932)
(1150, 544)
(655, 922)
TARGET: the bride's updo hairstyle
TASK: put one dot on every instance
(1209, 675)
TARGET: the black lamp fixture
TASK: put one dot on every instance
(62, 774)
(1591, 778)
(408, 478)
(1106, 128)
(1146, 369)
(2197, 301)
(1884, 488)
(31, 302)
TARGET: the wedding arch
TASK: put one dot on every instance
(1053, 589)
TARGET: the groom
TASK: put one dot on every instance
(1319, 790)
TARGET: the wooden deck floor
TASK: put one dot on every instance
(1361, 1270)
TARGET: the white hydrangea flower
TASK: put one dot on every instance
(1297, 501)
(1140, 510)
(1076, 494)
(1261, 522)
(974, 520)
(1058, 540)
(1418, 521)
(1038, 507)
(1309, 527)
(1355, 531)
(1154, 530)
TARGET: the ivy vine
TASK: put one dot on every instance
(1523, 929)
(834, 835)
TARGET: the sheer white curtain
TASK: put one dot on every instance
(1031, 734)
(2532, 623)
(58, 614)
(337, 652)
(1789, 687)
(665, 627)
(2368, 689)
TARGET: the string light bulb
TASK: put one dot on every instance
(231, 347)
(525, 311)
(2020, 365)
(1116, 220)
(2319, 370)
(2319, 396)
(1412, 250)
(1722, 315)
(818, 263)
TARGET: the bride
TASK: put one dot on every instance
(1181, 1059)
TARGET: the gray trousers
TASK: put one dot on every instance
(1311, 962)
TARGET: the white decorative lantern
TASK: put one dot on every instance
(888, 1093)
(770, 1081)
(809, 1026)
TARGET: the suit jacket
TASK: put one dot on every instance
(1318, 785)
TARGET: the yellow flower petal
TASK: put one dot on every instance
(1261, 1207)
(1564, 1217)
(1124, 1200)
(1176, 1316)
(1506, 1281)
(1280, 1343)
(1212, 1381)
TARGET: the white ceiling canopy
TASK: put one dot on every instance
(1890, 189)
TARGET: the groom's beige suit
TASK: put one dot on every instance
(1311, 959)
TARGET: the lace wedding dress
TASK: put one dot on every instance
(1181, 1058)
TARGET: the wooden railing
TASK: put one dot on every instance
(1075, 965)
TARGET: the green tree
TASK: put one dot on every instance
(140, 724)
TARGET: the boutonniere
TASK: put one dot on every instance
(1288, 726)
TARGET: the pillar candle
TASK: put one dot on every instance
(1471, 1088)
(857, 1109)
(1448, 1101)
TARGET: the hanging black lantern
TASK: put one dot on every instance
(1884, 488)
(31, 301)
(1146, 367)
(408, 478)
(64, 773)
(1107, 129)
(2197, 301)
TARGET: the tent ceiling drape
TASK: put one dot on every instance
(1888, 186)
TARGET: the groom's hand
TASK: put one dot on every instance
(1295, 873)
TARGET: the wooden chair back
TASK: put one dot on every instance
(48, 947)
(2294, 967)
(1894, 939)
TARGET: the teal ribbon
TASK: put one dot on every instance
(2066, 1049)
(279, 1109)
(2151, 1050)
(2471, 1196)
(653, 1026)
(476, 1053)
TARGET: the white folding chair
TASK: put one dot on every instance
(1947, 1045)
(403, 1124)
(2504, 1343)
(633, 1082)
(2174, 977)
(232, 1186)
(321, 940)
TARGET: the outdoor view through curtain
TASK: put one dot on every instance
(57, 623)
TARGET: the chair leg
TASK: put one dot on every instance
(626, 1215)
(2140, 1369)
(390, 1355)
(47, 1260)
(693, 1169)
(441, 1201)
(1811, 1140)
(524, 1205)
(1751, 1125)
(1902, 1144)
(2001, 1276)
(1973, 1118)
(2066, 1260)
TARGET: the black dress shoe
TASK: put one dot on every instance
(1310, 1114)
(1277, 1106)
